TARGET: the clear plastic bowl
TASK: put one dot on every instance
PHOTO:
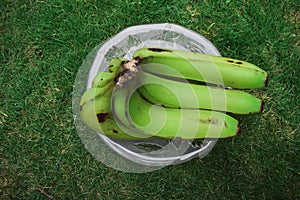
(143, 155)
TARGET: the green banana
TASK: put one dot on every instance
(171, 94)
(201, 67)
(177, 94)
(169, 123)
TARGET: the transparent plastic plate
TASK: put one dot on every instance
(142, 155)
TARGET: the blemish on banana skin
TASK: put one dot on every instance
(81, 106)
(225, 124)
(209, 121)
(115, 131)
(128, 71)
(237, 62)
(102, 117)
(159, 50)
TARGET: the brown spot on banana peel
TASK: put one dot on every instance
(102, 117)
(138, 59)
(225, 124)
(128, 71)
(159, 50)
(124, 61)
(209, 121)
(115, 131)
(237, 62)
(213, 121)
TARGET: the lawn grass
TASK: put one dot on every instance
(42, 45)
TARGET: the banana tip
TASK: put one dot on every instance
(238, 128)
(262, 106)
(266, 81)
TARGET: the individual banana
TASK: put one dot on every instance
(201, 67)
(178, 94)
(149, 119)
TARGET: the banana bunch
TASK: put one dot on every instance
(172, 94)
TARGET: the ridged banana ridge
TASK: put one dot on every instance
(171, 94)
